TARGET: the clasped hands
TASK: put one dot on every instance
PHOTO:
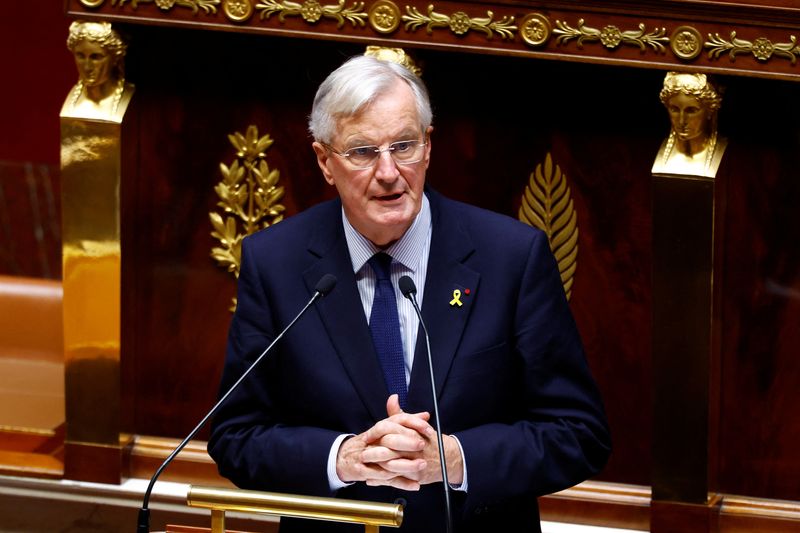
(400, 451)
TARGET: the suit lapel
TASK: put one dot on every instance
(447, 273)
(343, 315)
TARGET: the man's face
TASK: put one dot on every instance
(94, 63)
(688, 116)
(382, 201)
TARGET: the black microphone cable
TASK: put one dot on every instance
(409, 290)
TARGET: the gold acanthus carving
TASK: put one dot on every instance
(459, 22)
(312, 11)
(547, 205)
(248, 193)
(761, 48)
(208, 6)
(611, 36)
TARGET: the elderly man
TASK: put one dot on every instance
(342, 406)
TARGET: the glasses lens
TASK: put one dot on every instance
(362, 156)
(405, 151)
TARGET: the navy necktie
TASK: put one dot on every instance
(384, 325)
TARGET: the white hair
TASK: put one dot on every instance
(357, 83)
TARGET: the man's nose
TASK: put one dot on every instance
(386, 168)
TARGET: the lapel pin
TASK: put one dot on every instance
(456, 301)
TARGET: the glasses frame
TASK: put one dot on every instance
(378, 151)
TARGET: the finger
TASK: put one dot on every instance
(409, 468)
(402, 442)
(393, 405)
(408, 428)
(379, 454)
(396, 482)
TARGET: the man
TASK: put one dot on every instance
(322, 415)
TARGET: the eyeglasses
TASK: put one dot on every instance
(403, 153)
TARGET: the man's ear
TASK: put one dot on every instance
(428, 146)
(323, 156)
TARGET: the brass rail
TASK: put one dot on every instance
(218, 500)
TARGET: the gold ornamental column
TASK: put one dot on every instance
(91, 128)
(684, 486)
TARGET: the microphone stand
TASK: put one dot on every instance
(324, 286)
(409, 290)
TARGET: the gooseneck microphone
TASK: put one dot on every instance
(409, 290)
(323, 287)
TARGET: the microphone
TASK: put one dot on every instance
(409, 290)
(323, 287)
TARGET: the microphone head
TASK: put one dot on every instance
(325, 284)
(407, 286)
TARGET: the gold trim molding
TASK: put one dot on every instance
(687, 39)
(459, 22)
(208, 6)
(312, 11)
(761, 48)
(611, 36)
(547, 205)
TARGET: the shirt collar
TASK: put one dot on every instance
(405, 251)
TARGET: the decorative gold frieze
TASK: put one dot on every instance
(459, 22)
(547, 205)
(92, 3)
(237, 10)
(761, 48)
(611, 36)
(248, 192)
(312, 11)
(535, 29)
(208, 6)
(384, 16)
(686, 42)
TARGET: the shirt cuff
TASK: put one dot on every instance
(464, 485)
(333, 480)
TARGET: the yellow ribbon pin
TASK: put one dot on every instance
(456, 298)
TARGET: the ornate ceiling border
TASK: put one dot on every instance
(728, 40)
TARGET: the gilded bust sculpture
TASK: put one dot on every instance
(693, 147)
(101, 92)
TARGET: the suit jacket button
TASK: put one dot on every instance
(401, 501)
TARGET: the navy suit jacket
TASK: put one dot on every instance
(512, 380)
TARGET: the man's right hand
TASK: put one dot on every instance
(401, 435)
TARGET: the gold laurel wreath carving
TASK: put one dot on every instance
(248, 192)
(611, 36)
(761, 48)
(312, 11)
(459, 22)
(547, 205)
(209, 6)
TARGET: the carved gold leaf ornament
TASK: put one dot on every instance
(761, 48)
(208, 6)
(459, 22)
(547, 205)
(611, 36)
(312, 11)
(248, 194)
